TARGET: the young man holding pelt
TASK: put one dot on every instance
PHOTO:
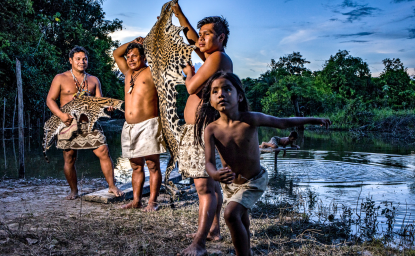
(210, 41)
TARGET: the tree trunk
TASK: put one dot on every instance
(294, 100)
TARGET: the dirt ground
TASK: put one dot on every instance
(35, 219)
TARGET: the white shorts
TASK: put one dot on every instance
(142, 139)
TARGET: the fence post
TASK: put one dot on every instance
(14, 113)
(4, 113)
(20, 118)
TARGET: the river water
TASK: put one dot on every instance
(338, 167)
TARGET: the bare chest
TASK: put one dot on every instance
(241, 136)
(140, 88)
(70, 87)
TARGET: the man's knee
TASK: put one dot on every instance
(69, 157)
(102, 152)
(152, 166)
(203, 187)
(137, 164)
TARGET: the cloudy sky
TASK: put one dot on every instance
(261, 30)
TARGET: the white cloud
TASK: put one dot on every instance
(129, 33)
(299, 36)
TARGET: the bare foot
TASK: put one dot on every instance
(116, 191)
(194, 250)
(210, 237)
(151, 207)
(132, 205)
(72, 196)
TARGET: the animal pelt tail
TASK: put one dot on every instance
(46, 157)
(169, 185)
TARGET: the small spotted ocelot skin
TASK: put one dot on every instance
(167, 55)
(91, 107)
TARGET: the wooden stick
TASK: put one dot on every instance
(4, 113)
(20, 118)
(44, 107)
(14, 112)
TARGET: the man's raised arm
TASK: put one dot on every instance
(190, 33)
(195, 82)
(119, 55)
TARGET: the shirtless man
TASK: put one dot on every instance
(64, 86)
(211, 40)
(141, 138)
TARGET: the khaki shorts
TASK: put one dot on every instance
(142, 139)
(248, 193)
(191, 155)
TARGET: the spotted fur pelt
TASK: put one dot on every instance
(91, 107)
(166, 55)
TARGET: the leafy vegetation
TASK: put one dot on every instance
(343, 90)
(40, 33)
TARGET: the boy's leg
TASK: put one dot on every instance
(137, 181)
(268, 145)
(107, 168)
(69, 157)
(237, 220)
(207, 210)
(153, 164)
(214, 232)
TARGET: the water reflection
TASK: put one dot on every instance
(337, 166)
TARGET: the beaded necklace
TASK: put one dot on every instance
(81, 87)
(132, 81)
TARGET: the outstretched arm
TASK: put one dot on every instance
(189, 32)
(224, 175)
(261, 119)
(119, 55)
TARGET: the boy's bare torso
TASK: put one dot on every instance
(141, 104)
(194, 99)
(237, 144)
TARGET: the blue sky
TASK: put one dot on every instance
(262, 30)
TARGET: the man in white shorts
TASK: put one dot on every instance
(141, 138)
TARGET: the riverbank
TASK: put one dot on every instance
(398, 122)
(36, 220)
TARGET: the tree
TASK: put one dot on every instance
(291, 69)
(255, 90)
(348, 76)
(40, 33)
(396, 83)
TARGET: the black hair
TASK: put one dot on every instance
(293, 134)
(220, 25)
(139, 47)
(77, 49)
(206, 114)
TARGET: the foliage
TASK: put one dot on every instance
(396, 84)
(40, 33)
(343, 90)
(347, 76)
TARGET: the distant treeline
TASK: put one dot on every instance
(344, 89)
(40, 33)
